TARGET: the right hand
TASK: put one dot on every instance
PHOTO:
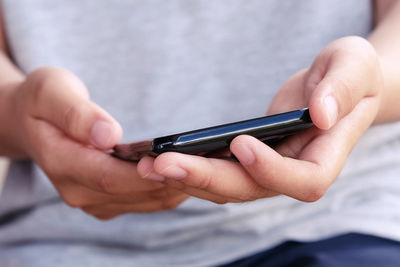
(66, 135)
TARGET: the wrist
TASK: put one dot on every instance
(389, 110)
(11, 136)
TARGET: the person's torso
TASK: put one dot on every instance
(161, 67)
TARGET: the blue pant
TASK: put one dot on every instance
(342, 251)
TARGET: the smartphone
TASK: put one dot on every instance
(211, 141)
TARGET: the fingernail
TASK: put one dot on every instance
(332, 109)
(154, 177)
(174, 172)
(101, 134)
(243, 153)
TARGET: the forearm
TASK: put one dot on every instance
(10, 78)
(386, 40)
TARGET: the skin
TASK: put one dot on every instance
(343, 89)
(352, 83)
(50, 118)
(54, 121)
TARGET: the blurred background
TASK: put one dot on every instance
(3, 169)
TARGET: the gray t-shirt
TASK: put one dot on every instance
(165, 66)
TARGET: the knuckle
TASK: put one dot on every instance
(358, 42)
(355, 47)
(89, 210)
(205, 182)
(98, 213)
(42, 80)
(315, 193)
(169, 204)
(48, 164)
(71, 118)
(177, 185)
(250, 194)
(72, 203)
(72, 200)
(107, 185)
(311, 80)
(359, 52)
(267, 175)
(220, 201)
(344, 90)
(104, 217)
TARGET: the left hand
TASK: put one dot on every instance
(343, 89)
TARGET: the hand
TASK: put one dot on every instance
(65, 133)
(343, 90)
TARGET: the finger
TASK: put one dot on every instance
(57, 96)
(101, 172)
(308, 176)
(203, 194)
(339, 79)
(146, 170)
(109, 211)
(78, 196)
(285, 175)
(63, 159)
(293, 88)
(294, 144)
(215, 176)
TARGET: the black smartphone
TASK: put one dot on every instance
(213, 140)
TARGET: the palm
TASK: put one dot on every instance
(342, 89)
(326, 148)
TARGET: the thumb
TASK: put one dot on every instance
(59, 97)
(342, 75)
